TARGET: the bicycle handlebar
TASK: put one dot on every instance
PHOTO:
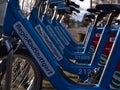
(67, 10)
(74, 9)
(73, 4)
(68, 3)
(81, 0)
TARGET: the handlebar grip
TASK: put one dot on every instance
(81, 0)
(74, 9)
(88, 20)
(65, 11)
(73, 4)
(68, 3)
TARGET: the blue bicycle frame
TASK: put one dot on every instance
(88, 38)
(43, 57)
(86, 57)
(56, 51)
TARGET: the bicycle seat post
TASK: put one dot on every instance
(57, 16)
(46, 8)
(62, 18)
(54, 13)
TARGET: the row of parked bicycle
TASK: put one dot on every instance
(36, 45)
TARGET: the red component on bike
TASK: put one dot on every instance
(96, 38)
(94, 42)
(109, 43)
(106, 49)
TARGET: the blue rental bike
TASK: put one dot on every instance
(62, 60)
(79, 57)
(43, 59)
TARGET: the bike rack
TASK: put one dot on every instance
(42, 55)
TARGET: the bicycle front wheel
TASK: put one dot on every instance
(25, 75)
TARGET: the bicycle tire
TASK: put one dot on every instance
(24, 56)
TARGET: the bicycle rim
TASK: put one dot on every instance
(25, 75)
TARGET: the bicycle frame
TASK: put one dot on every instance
(84, 56)
(43, 57)
(54, 48)
(56, 51)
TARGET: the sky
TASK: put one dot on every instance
(83, 6)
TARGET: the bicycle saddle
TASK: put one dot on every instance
(93, 10)
(68, 3)
(101, 13)
(90, 16)
(66, 10)
(109, 7)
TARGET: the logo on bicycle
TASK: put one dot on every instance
(34, 49)
(55, 36)
(49, 43)
(58, 29)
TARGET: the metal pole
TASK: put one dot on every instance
(90, 3)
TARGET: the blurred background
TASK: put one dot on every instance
(76, 22)
(78, 18)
